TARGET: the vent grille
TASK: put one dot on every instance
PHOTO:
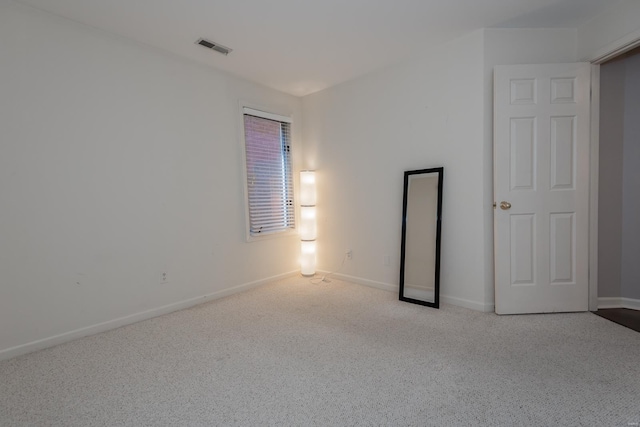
(214, 46)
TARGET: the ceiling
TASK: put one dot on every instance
(303, 46)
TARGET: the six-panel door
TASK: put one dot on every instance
(541, 161)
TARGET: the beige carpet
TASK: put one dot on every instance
(294, 353)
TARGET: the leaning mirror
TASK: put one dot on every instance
(420, 250)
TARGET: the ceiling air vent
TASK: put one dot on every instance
(214, 46)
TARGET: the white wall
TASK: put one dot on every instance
(435, 110)
(619, 25)
(506, 46)
(117, 163)
(630, 276)
(362, 135)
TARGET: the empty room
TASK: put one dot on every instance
(218, 212)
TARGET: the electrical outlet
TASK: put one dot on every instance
(349, 254)
(164, 278)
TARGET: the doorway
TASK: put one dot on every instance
(619, 183)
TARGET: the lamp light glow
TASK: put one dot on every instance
(307, 188)
(308, 230)
(308, 257)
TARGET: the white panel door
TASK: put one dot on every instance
(541, 187)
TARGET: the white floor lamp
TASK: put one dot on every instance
(308, 229)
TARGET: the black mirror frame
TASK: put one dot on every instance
(407, 174)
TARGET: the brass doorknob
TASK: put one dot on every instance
(505, 205)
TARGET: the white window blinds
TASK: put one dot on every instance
(269, 172)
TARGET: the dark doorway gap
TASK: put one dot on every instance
(622, 316)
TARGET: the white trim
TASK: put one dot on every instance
(366, 282)
(472, 305)
(607, 302)
(132, 318)
(633, 304)
(594, 177)
(615, 302)
(266, 115)
(620, 46)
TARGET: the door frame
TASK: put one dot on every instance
(617, 48)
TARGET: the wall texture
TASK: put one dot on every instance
(618, 25)
(505, 46)
(612, 89)
(117, 163)
(630, 286)
(435, 110)
(362, 135)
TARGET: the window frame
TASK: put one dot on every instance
(277, 114)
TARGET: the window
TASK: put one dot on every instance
(267, 142)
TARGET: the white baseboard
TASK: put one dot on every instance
(618, 302)
(133, 318)
(633, 304)
(472, 305)
(365, 282)
(609, 302)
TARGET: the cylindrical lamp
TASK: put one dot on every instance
(308, 230)
(307, 188)
(308, 257)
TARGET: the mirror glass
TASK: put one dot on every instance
(421, 226)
